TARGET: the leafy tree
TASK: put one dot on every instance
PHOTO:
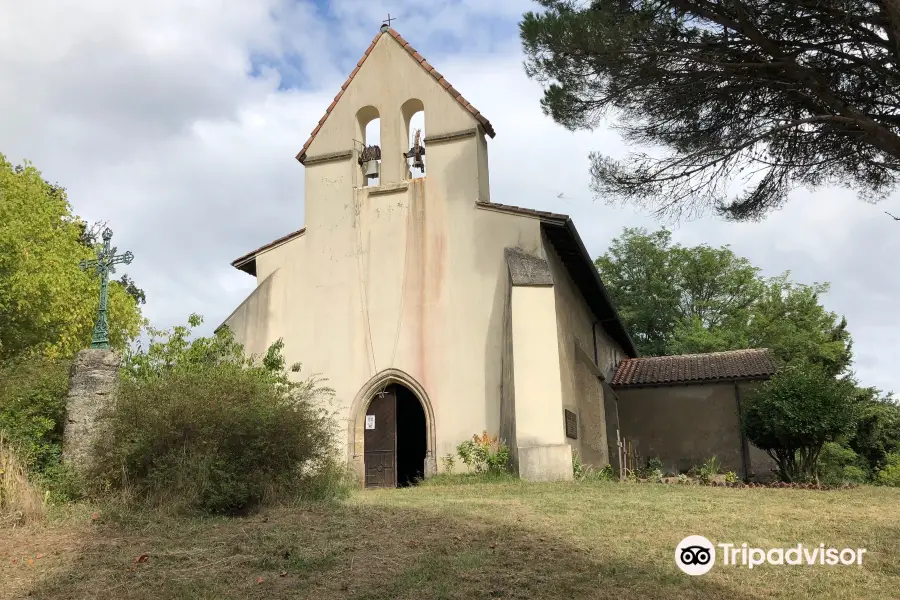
(876, 433)
(795, 413)
(638, 272)
(790, 320)
(679, 300)
(47, 303)
(786, 93)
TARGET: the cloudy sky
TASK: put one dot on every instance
(177, 121)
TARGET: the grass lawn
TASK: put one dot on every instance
(478, 540)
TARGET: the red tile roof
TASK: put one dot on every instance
(488, 128)
(695, 368)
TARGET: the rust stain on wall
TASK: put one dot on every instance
(415, 277)
(425, 258)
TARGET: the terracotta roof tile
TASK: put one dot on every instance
(488, 128)
(755, 363)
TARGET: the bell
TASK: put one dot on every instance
(371, 169)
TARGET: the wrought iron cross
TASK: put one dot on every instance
(388, 20)
(103, 266)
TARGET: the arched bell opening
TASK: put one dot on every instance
(369, 135)
(414, 120)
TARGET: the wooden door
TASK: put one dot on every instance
(380, 450)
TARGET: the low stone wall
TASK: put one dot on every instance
(93, 381)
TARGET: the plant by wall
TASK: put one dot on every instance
(197, 426)
(484, 454)
(709, 469)
(795, 413)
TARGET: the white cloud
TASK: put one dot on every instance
(147, 114)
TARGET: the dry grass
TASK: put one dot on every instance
(498, 540)
(20, 501)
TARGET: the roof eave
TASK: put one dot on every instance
(247, 262)
(631, 349)
(623, 337)
(721, 380)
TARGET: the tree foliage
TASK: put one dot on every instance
(795, 413)
(779, 93)
(33, 407)
(680, 300)
(876, 432)
(47, 303)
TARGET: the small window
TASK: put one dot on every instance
(571, 425)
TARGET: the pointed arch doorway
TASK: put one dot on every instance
(392, 437)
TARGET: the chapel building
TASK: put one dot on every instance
(436, 313)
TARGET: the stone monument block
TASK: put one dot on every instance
(93, 381)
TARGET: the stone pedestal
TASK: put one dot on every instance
(93, 381)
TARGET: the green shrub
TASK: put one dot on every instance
(579, 471)
(839, 464)
(795, 413)
(708, 470)
(449, 463)
(197, 427)
(877, 430)
(607, 473)
(33, 407)
(32, 417)
(731, 477)
(484, 453)
(890, 474)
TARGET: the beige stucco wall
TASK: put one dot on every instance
(541, 451)
(684, 425)
(250, 320)
(409, 275)
(538, 398)
(582, 391)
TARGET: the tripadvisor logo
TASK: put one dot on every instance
(696, 555)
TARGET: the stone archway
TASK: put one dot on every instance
(357, 423)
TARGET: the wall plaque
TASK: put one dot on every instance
(571, 425)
